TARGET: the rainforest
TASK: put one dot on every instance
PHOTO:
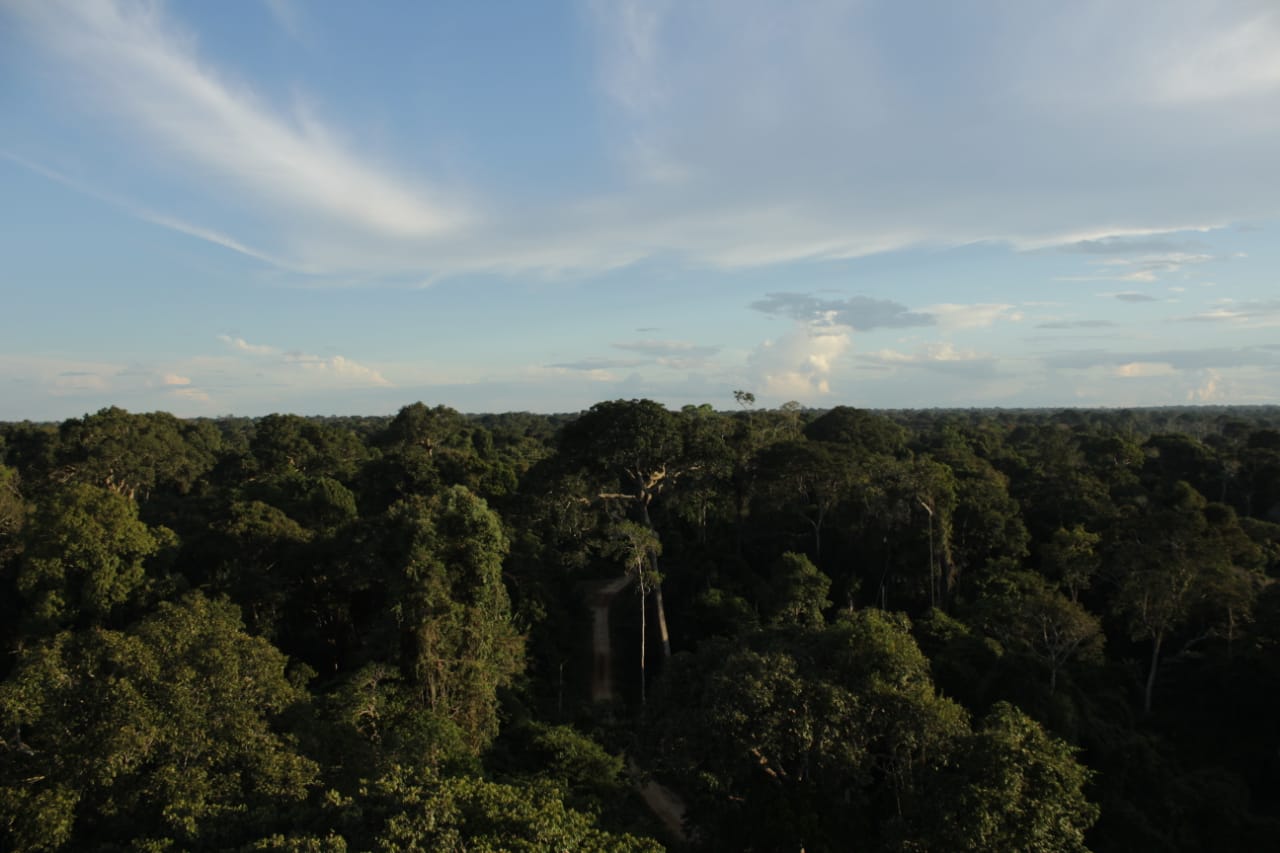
(638, 628)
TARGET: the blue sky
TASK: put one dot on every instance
(331, 207)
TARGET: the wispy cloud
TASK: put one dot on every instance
(1236, 60)
(1132, 246)
(1076, 324)
(942, 356)
(973, 316)
(1140, 268)
(678, 355)
(857, 312)
(1182, 359)
(1133, 296)
(593, 364)
(1261, 312)
(735, 135)
(242, 345)
(130, 58)
(289, 17)
(336, 368)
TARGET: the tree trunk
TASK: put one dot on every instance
(643, 595)
(1151, 676)
(657, 588)
(662, 622)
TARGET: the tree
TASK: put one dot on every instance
(162, 733)
(132, 455)
(1007, 786)
(790, 739)
(458, 645)
(83, 555)
(633, 450)
(869, 434)
(638, 549)
(1168, 562)
(1027, 615)
(797, 592)
(1071, 558)
(808, 479)
(424, 812)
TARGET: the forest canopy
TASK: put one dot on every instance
(638, 628)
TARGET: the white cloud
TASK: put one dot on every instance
(1255, 313)
(1143, 369)
(742, 134)
(338, 367)
(192, 394)
(677, 355)
(129, 57)
(289, 17)
(976, 316)
(799, 364)
(1211, 390)
(173, 379)
(1239, 59)
(244, 346)
(944, 352)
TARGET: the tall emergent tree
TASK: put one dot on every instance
(633, 451)
(457, 641)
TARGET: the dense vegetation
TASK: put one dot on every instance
(900, 631)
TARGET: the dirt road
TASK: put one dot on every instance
(661, 800)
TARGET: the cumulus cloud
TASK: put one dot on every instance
(1212, 389)
(799, 364)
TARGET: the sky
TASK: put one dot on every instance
(261, 206)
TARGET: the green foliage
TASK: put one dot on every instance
(423, 812)
(1006, 786)
(162, 731)
(869, 433)
(378, 721)
(83, 556)
(136, 715)
(1030, 617)
(1071, 558)
(458, 645)
(797, 592)
(132, 455)
(591, 779)
(802, 738)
